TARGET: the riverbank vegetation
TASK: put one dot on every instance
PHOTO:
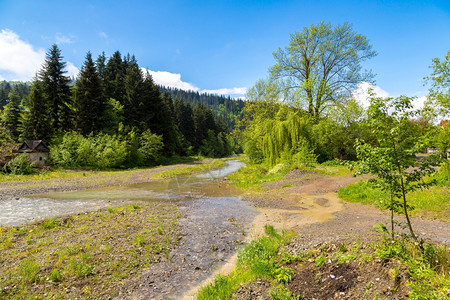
(89, 255)
(382, 269)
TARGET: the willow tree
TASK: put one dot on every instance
(322, 65)
(284, 139)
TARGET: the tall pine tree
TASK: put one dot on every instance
(89, 99)
(11, 114)
(37, 120)
(55, 89)
(114, 77)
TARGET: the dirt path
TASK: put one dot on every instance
(307, 203)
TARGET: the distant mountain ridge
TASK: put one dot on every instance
(228, 109)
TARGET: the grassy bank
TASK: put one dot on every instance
(253, 176)
(82, 173)
(257, 260)
(383, 269)
(89, 255)
(432, 203)
(198, 168)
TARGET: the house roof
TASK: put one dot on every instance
(30, 146)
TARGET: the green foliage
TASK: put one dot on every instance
(55, 92)
(12, 115)
(392, 152)
(29, 270)
(20, 165)
(283, 293)
(55, 276)
(252, 176)
(81, 269)
(288, 138)
(89, 100)
(433, 203)
(442, 176)
(101, 151)
(428, 268)
(256, 260)
(438, 101)
(7, 145)
(37, 120)
(322, 64)
(283, 274)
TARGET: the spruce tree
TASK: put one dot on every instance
(204, 121)
(89, 100)
(37, 122)
(11, 114)
(55, 89)
(114, 77)
(134, 95)
(100, 64)
(184, 120)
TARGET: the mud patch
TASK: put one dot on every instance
(212, 230)
(321, 201)
(328, 282)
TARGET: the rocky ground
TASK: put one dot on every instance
(303, 201)
(23, 188)
(306, 202)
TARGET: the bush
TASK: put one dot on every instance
(101, 151)
(20, 165)
(151, 146)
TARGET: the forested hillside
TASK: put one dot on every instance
(225, 108)
(22, 88)
(112, 115)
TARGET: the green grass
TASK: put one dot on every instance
(57, 174)
(256, 260)
(432, 203)
(68, 174)
(426, 271)
(252, 176)
(216, 163)
(99, 251)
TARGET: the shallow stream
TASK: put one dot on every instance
(213, 224)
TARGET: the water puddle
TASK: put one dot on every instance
(213, 226)
(16, 211)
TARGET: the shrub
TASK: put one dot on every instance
(101, 151)
(20, 165)
(151, 146)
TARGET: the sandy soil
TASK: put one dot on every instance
(307, 203)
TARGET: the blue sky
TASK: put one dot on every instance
(220, 46)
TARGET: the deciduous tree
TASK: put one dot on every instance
(322, 64)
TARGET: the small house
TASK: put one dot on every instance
(37, 150)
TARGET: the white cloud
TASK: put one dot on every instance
(64, 39)
(18, 59)
(225, 91)
(173, 80)
(361, 94)
(72, 71)
(103, 34)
